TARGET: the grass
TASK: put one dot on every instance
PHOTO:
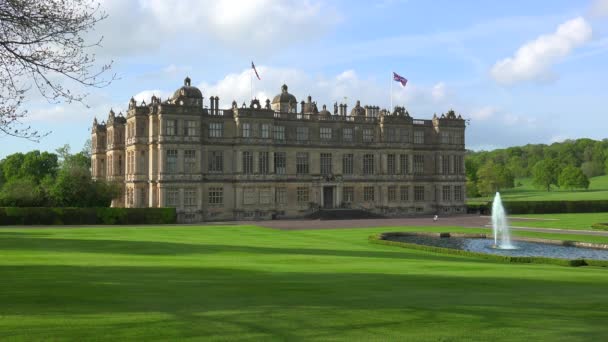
(598, 190)
(251, 283)
(566, 221)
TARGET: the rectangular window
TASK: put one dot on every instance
(392, 193)
(190, 197)
(302, 163)
(265, 196)
(302, 133)
(246, 130)
(189, 161)
(216, 129)
(458, 194)
(326, 164)
(171, 127)
(347, 164)
(190, 129)
(348, 194)
(302, 193)
(368, 164)
(171, 166)
(368, 194)
(444, 138)
(403, 164)
(279, 132)
(216, 196)
(451, 164)
(418, 137)
(446, 193)
(419, 193)
(249, 196)
(280, 195)
(391, 165)
(405, 135)
(247, 163)
(325, 133)
(265, 131)
(347, 134)
(216, 161)
(172, 197)
(368, 135)
(418, 164)
(263, 160)
(404, 193)
(280, 163)
(391, 134)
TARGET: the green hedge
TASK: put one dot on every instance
(69, 216)
(600, 226)
(554, 207)
(378, 239)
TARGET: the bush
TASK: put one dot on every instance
(74, 216)
(554, 207)
(600, 226)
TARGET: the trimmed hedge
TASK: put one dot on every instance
(70, 216)
(554, 207)
(600, 226)
(379, 239)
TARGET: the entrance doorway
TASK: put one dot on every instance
(328, 197)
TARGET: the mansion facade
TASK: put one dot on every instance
(279, 159)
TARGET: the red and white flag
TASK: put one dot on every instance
(400, 79)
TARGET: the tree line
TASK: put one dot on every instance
(45, 179)
(567, 165)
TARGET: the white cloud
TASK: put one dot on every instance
(483, 113)
(146, 95)
(533, 61)
(599, 8)
(439, 91)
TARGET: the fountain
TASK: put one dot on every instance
(500, 226)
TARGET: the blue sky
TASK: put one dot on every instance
(522, 71)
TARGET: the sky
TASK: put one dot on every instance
(521, 71)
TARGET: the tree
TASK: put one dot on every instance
(545, 173)
(572, 177)
(493, 177)
(43, 46)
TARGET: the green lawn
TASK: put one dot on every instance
(567, 221)
(250, 283)
(598, 190)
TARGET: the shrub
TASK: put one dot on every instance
(553, 207)
(600, 226)
(74, 216)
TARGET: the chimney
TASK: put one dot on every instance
(217, 104)
(212, 103)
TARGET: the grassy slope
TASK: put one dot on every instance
(567, 221)
(249, 283)
(598, 190)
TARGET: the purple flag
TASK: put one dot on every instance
(399, 79)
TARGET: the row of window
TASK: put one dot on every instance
(447, 193)
(451, 164)
(452, 138)
(189, 127)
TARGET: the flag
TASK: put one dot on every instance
(255, 70)
(399, 79)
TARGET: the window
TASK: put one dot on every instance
(458, 194)
(348, 194)
(302, 195)
(325, 133)
(171, 166)
(280, 163)
(172, 199)
(171, 127)
(280, 195)
(368, 135)
(403, 164)
(391, 134)
(263, 163)
(141, 165)
(249, 196)
(302, 133)
(445, 165)
(265, 131)
(142, 198)
(279, 132)
(418, 164)
(247, 163)
(368, 193)
(190, 197)
(347, 164)
(391, 165)
(404, 193)
(265, 196)
(216, 161)
(392, 193)
(446, 193)
(216, 196)
(347, 134)
(405, 135)
(444, 138)
(246, 133)
(190, 128)
(419, 193)
(326, 164)
(368, 164)
(189, 161)
(451, 164)
(216, 129)
(418, 137)
(302, 163)
(459, 169)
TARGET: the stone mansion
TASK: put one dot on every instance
(279, 159)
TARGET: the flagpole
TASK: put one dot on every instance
(251, 82)
(390, 110)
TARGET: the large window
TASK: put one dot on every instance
(392, 193)
(347, 134)
(368, 193)
(446, 193)
(326, 164)
(302, 133)
(190, 129)
(189, 161)
(419, 164)
(280, 195)
(216, 129)
(265, 131)
(247, 163)
(302, 163)
(246, 130)
(265, 196)
(216, 161)
(172, 197)
(325, 133)
(190, 197)
(368, 135)
(403, 164)
(368, 164)
(171, 127)
(348, 194)
(171, 161)
(404, 193)
(419, 193)
(391, 134)
(391, 164)
(459, 165)
(216, 196)
(347, 164)
(445, 165)
(263, 163)
(279, 132)
(302, 194)
(418, 137)
(250, 196)
(458, 194)
(280, 163)
(405, 135)
(444, 138)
